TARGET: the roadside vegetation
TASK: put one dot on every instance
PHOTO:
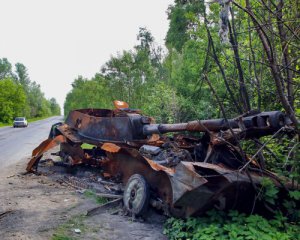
(92, 195)
(66, 231)
(20, 97)
(217, 225)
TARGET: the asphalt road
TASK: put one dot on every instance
(18, 143)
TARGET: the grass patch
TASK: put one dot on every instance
(28, 120)
(37, 119)
(66, 230)
(87, 146)
(92, 195)
(5, 124)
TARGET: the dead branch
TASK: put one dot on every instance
(271, 58)
(260, 149)
(215, 57)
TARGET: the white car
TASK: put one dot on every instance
(20, 122)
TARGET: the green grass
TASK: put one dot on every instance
(28, 120)
(5, 124)
(87, 146)
(92, 195)
(66, 230)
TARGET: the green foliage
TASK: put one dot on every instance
(54, 107)
(232, 225)
(12, 100)
(295, 195)
(5, 69)
(21, 97)
(92, 195)
(162, 103)
(270, 191)
(131, 76)
(180, 23)
(22, 76)
(88, 94)
(65, 231)
(87, 146)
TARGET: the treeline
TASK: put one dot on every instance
(138, 76)
(249, 62)
(19, 96)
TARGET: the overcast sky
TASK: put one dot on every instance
(57, 40)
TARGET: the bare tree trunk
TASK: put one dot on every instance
(285, 51)
(234, 44)
(257, 80)
(275, 71)
(222, 70)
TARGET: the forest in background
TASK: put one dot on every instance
(19, 96)
(224, 58)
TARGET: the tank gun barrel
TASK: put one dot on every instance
(264, 123)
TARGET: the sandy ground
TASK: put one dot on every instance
(39, 207)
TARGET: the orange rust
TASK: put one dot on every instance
(154, 138)
(106, 175)
(37, 153)
(159, 167)
(120, 104)
(110, 147)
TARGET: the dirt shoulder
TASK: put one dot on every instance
(41, 207)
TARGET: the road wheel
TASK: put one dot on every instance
(136, 195)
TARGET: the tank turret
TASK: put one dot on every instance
(129, 125)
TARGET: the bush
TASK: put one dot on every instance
(12, 100)
(232, 225)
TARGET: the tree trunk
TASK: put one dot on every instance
(275, 71)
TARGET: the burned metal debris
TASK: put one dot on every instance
(182, 175)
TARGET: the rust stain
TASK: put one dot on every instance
(159, 167)
(110, 147)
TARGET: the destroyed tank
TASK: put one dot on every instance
(180, 174)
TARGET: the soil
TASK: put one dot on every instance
(41, 207)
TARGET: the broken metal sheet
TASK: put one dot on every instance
(221, 187)
(69, 133)
(229, 174)
(110, 147)
(38, 152)
(185, 179)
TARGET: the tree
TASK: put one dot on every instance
(12, 100)
(87, 93)
(162, 103)
(54, 107)
(22, 76)
(19, 89)
(5, 69)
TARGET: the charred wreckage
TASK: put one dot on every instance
(180, 174)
